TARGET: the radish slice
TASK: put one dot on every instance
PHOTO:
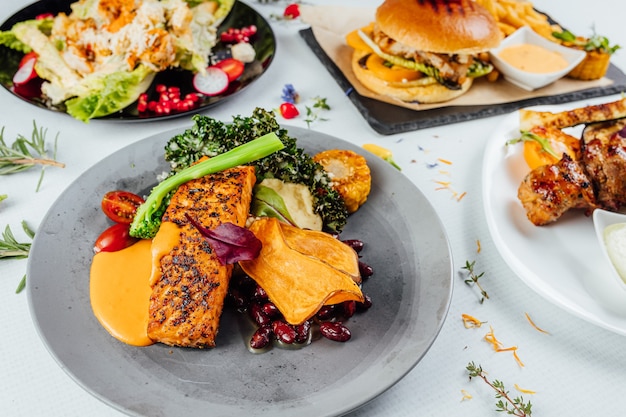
(26, 71)
(213, 82)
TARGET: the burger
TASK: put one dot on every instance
(425, 51)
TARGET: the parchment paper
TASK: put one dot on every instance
(330, 25)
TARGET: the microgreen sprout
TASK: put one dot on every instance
(312, 113)
(543, 142)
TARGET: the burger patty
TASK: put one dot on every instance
(452, 67)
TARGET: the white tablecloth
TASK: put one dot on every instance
(578, 369)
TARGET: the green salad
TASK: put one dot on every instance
(100, 57)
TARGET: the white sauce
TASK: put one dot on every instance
(615, 240)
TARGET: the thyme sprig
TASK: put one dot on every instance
(512, 406)
(25, 154)
(473, 279)
(11, 248)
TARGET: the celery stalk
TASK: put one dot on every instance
(148, 217)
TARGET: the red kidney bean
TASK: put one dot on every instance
(335, 331)
(302, 332)
(271, 310)
(240, 301)
(355, 244)
(258, 315)
(366, 304)
(349, 308)
(365, 270)
(284, 332)
(326, 312)
(259, 293)
(261, 338)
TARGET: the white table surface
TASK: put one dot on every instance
(579, 369)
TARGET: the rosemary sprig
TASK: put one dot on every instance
(312, 113)
(512, 406)
(24, 154)
(11, 248)
(473, 279)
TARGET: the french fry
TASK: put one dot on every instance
(514, 14)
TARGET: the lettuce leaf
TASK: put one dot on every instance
(109, 93)
(9, 39)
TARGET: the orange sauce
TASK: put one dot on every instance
(120, 292)
(533, 58)
(120, 287)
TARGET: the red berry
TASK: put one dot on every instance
(289, 110)
(292, 11)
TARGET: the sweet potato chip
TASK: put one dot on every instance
(324, 247)
(298, 283)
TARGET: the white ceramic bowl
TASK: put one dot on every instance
(610, 282)
(528, 80)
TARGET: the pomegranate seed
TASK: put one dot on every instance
(192, 96)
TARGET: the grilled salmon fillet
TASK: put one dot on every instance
(189, 288)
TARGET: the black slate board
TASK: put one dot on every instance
(388, 119)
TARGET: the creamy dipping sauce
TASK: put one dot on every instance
(615, 240)
(533, 58)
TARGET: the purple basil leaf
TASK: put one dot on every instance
(231, 243)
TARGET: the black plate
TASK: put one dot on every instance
(264, 43)
(388, 119)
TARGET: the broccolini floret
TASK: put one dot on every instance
(147, 219)
(209, 137)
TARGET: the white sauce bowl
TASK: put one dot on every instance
(531, 80)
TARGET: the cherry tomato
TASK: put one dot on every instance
(289, 110)
(292, 11)
(232, 67)
(116, 237)
(121, 206)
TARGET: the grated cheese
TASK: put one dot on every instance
(532, 323)
(490, 337)
(471, 321)
(524, 391)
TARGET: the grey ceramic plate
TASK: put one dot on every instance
(411, 291)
